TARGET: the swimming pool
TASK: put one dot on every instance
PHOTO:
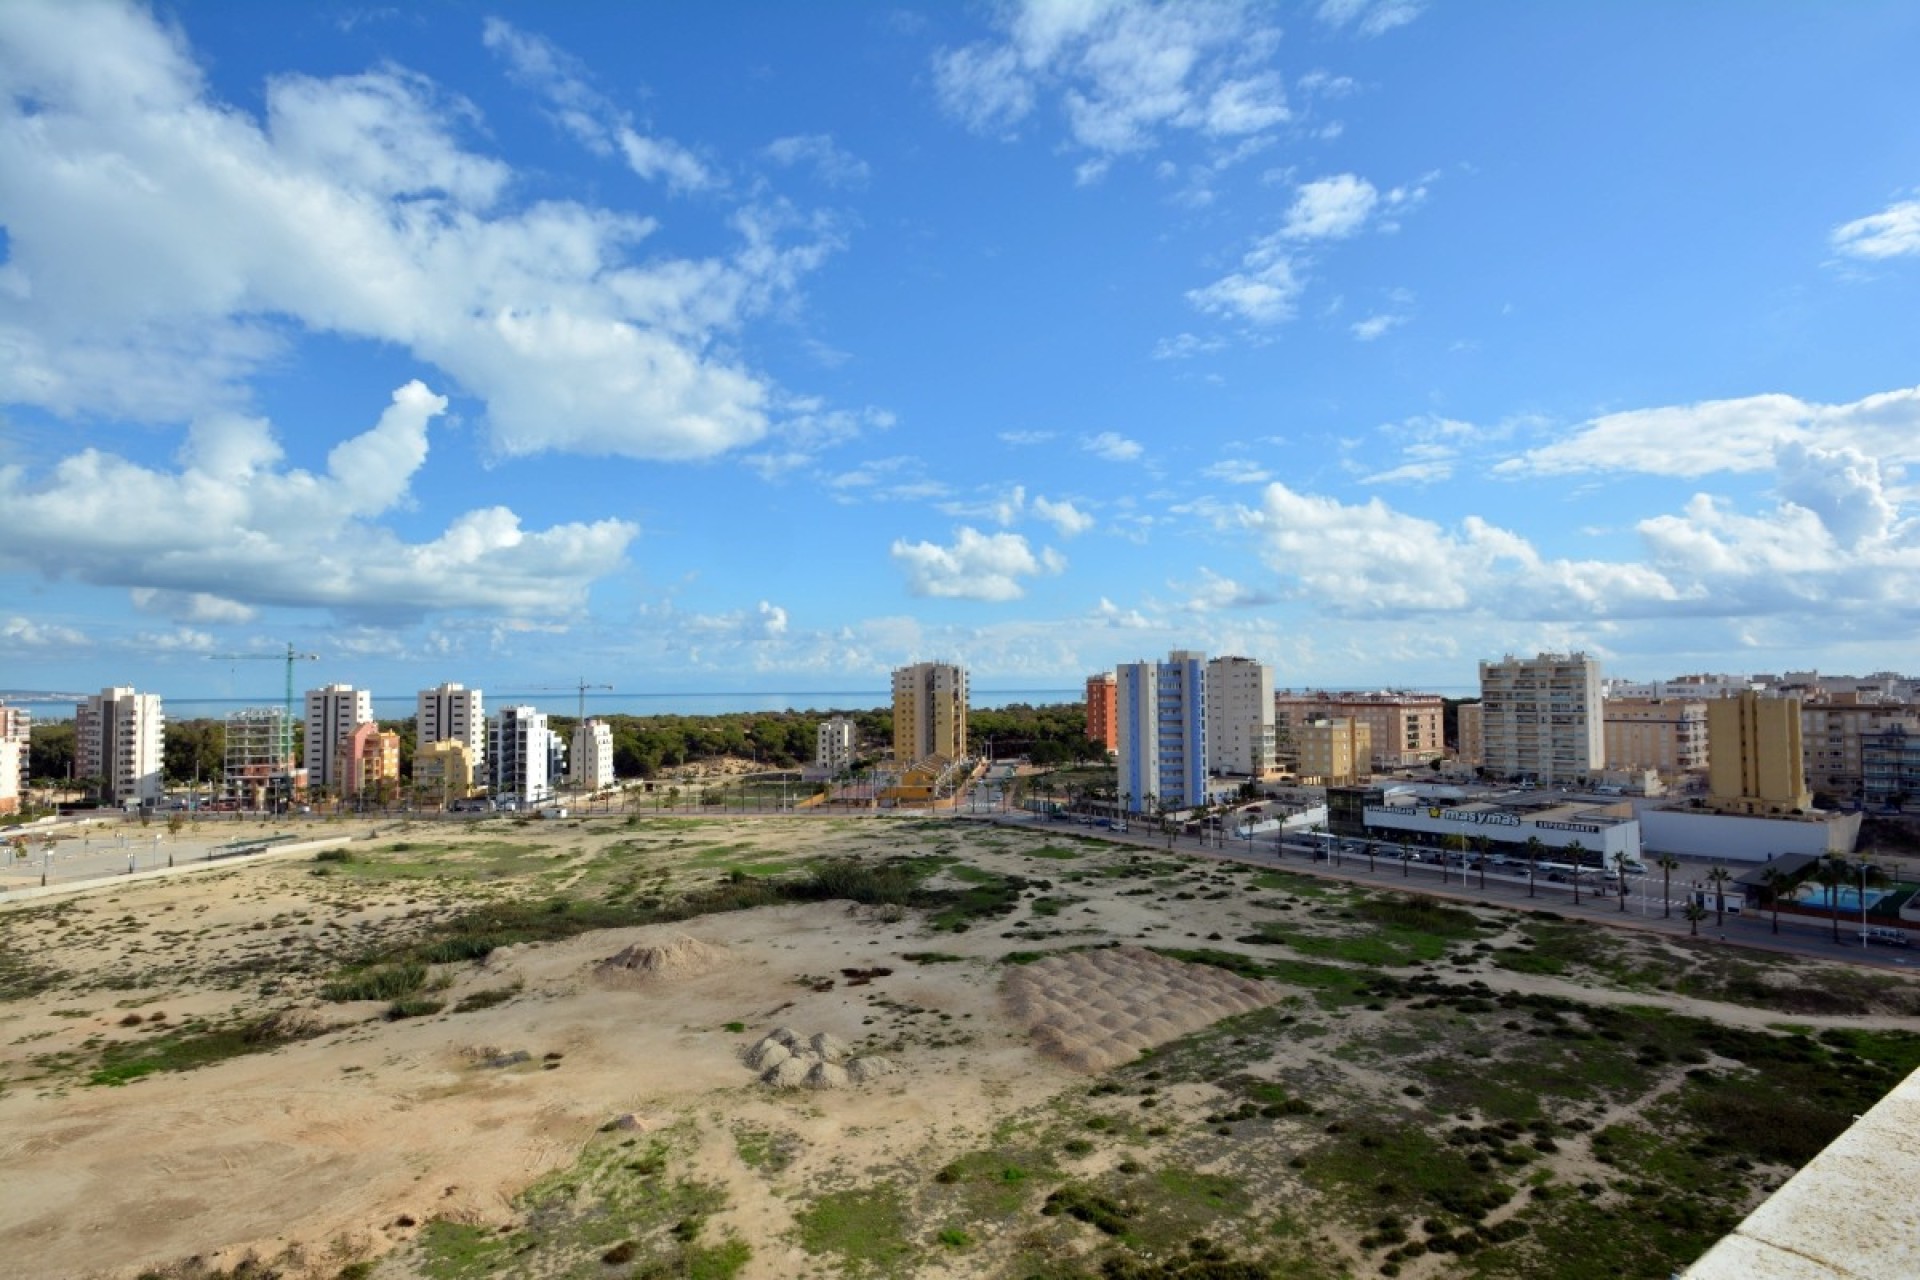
(1846, 897)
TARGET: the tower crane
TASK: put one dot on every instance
(290, 657)
(580, 686)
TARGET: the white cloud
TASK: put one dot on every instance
(831, 164)
(1376, 326)
(976, 567)
(1125, 75)
(26, 633)
(1738, 435)
(1064, 516)
(1184, 346)
(1263, 292)
(232, 530)
(1025, 439)
(1369, 17)
(1330, 208)
(1112, 446)
(1237, 471)
(163, 246)
(1894, 232)
(664, 159)
(773, 619)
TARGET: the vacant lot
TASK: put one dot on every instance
(412, 1059)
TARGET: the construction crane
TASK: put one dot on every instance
(579, 685)
(289, 657)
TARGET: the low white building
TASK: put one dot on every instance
(520, 751)
(1602, 832)
(1736, 837)
(833, 744)
(592, 755)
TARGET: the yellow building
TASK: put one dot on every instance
(1334, 752)
(1406, 726)
(1472, 748)
(443, 771)
(929, 712)
(1665, 734)
(1755, 764)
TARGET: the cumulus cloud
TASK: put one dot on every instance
(976, 566)
(773, 619)
(1376, 326)
(1330, 208)
(1125, 76)
(27, 633)
(1262, 292)
(233, 530)
(164, 245)
(1237, 471)
(1894, 232)
(1112, 446)
(1064, 516)
(1738, 435)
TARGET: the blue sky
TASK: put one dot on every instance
(771, 346)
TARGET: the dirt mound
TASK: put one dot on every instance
(1092, 1010)
(785, 1059)
(682, 957)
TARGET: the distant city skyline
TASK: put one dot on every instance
(1369, 339)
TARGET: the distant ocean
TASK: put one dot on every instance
(60, 707)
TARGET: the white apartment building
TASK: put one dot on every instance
(118, 738)
(1161, 708)
(333, 713)
(833, 745)
(592, 755)
(520, 751)
(1239, 717)
(929, 712)
(451, 713)
(1684, 688)
(15, 729)
(1541, 717)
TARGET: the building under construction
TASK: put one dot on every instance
(259, 760)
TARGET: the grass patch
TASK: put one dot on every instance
(191, 1047)
(866, 1227)
(385, 982)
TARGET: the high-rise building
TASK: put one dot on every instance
(16, 725)
(592, 755)
(118, 738)
(1665, 734)
(1834, 734)
(1890, 768)
(1103, 721)
(1161, 708)
(1754, 761)
(1541, 717)
(833, 743)
(333, 713)
(452, 713)
(1239, 717)
(520, 750)
(257, 766)
(1471, 749)
(929, 712)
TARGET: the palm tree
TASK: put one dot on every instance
(1577, 854)
(1485, 845)
(1620, 876)
(1774, 881)
(1406, 860)
(1695, 913)
(1372, 848)
(1668, 864)
(1833, 875)
(1534, 846)
(1719, 877)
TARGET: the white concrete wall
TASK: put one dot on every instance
(1732, 838)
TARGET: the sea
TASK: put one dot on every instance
(59, 706)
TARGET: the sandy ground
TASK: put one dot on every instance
(338, 1146)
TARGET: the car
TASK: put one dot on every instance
(1886, 937)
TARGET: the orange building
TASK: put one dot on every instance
(369, 758)
(1103, 711)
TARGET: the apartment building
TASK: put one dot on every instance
(1890, 767)
(1541, 717)
(1668, 735)
(520, 752)
(1103, 725)
(929, 712)
(444, 771)
(1694, 688)
(16, 725)
(1239, 716)
(1833, 737)
(368, 764)
(1161, 711)
(1756, 765)
(1406, 728)
(592, 756)
(1335, 751)
(118, 738)
(257, 765)
(452, 713)
(333, 713)
(833, 744)
(1469, 727)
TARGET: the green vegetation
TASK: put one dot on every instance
(196, 1046)
(865, 1227)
